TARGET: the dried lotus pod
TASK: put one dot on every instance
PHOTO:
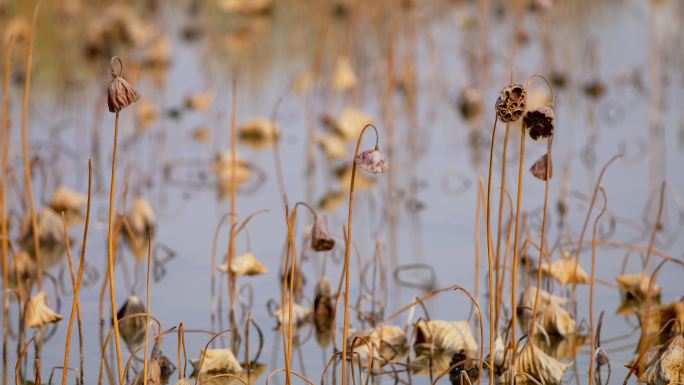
(216, 361)
(372, 161)
(556, 321)
(546, 369)
(563, 270)
(446, 336)
(662, 364)
(153, 375)
(245, 264)
(323, 299)
(320, 237)
(540, 167)
(120, 94)
(540, 122)
(510, 105)
(37, 313)
(65, 199)
(636, 286)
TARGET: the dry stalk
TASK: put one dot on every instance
(147, 318)
(490, 251)
(591, 295)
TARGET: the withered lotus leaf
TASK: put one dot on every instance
(556, 321)
(153, 374)
(300, 315)
(446, 336)
(217, 361)
(547, 369)
(636, 286)
(37, 312)
(563, 270)
(245, 264)
(662, 364)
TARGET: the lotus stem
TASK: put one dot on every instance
(591, 295)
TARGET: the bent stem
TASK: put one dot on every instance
(348, 252)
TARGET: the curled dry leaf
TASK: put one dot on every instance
(50, 230)
(372, 161)
(217, 361)
(391, 340)
(660, 315)
(498, 360)
(470, 103)
(563, 270)
(556, 321)
(141, 217)
(547, 369)
(245, 264)
(160, 52)
(131, 329)
(636, 286)
(447, 336)
(662, 364)
(119, 24)
(153, 374)
(343, 75)
(258, 133)
(545, 299)
(300, 315)
(182, 381)
(23, 265)
(333, 146)
(361, 181)
(65, 199)
(200, 102)
(37, 313)
(540, 167)
(320, 237)
(349, 123)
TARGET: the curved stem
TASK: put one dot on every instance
(348, 250)
(591, 295)
(308, 207)
(553, 97)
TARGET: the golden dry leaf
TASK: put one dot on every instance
(550, 370)
(563, 270)
(323, 299)
(331, 202)
(258, 133)
(636, 286)
(223, 169)
(381, 337)
(24, 266)
(658, 316)
(300, 315)
(556, 321)
(202, 134)
(333, 146)
(148, 113)
(182, 381)
(662, 364)
(65, 199)
(217, 361)
(255, 371)
(361, 181)
(141, 217)
(245, 264)
(50, 229)
(153, 375)
(247, 7)
(563, 348)
(351, 122)
(200, 102)
(545, 299)
(37, 313)
(343, 75)
(161, 51)
(447, 336)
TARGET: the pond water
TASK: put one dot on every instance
(616, 67)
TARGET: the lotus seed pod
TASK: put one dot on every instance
(511, 103)
(540, 122)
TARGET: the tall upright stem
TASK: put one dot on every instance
(500, 224)
(591, 292)
(110, 245)
(348, 253)
(489, 249)
(231, 253)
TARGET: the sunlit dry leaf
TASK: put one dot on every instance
(23, 265)
(470, 103)
(658, 316)
(223, 169)
(332, 201)
(247, 7)
(120, 24)
(50, 228)
(202, 134)
(37, 313)
(555, 320)
(563, 270)
(323, 298)
(148, 113)
(550, 370)
(300, 315)
(245, 264)
(343, 75)
(160, 52)
(381, 337)
(65, 199)
(182, 381)
(498, 360)
(447, 336)
(217, 361)
(258, 133)
(200, 102)
(350, 123)
(333, 146)
(141, 217)
(662, 364)
(255, 371)
(153, 375)
(361, 182)
(636, 286)
(545, 299)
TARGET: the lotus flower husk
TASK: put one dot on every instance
(361, 181)
(372, 161)
(323, 299)
(391, 340)
(50, 228)
(246, 7)
(153, 375)
(540, 167)
(300, 315)
(636, 286)
(245, 264)
(37, 313)
(131, 329)
(349, 123)
(545, 299)
(223, 169)
(447, 336)
(546, 367)
(333, 146)
(332, 200)
(556, 321)
(200, 102)
(344, 77)
(662, 364)
(217, 361)
(141, 217)
(120, 94)
(65, 199)
(658, 316)
(148, 114)
(320, 237)
(258, 133)
(563, 270)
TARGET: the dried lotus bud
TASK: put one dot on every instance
(601, 357)
(540, 167)
(540, 122)
(511, 103)
(320, 237)
(372, 161)
(120, 93)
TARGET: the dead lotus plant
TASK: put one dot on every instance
(216, 361)
(445, 336)
(537, 364)
(245, 264)
(37, 313)
(563, 270)
(661, 364)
